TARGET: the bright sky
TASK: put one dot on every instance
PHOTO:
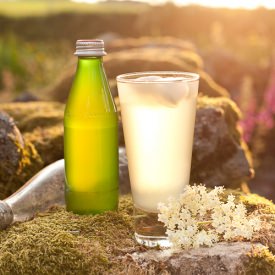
(249, 4)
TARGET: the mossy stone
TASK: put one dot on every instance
(60, 242)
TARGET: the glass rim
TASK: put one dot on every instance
(131, 77)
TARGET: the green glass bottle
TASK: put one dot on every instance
(90, 135)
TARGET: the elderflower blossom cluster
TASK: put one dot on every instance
(200, 218)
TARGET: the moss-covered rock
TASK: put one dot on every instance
(156, 59)
(11, 146)
(260, 261)
(48, 142)
(41, 124)
(146, 54)
(220, 156)
(33, 138)
(59, 242)
(164, 42)
(18, 158)
(31, 115)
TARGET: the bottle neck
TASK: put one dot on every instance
(86, 63)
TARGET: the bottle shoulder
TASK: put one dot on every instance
(90, 95)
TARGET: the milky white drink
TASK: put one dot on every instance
(158, 115)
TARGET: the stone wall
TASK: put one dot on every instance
(32, 137)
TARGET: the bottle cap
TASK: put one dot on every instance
(90, 47)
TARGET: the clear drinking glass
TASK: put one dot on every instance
(158, 115)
